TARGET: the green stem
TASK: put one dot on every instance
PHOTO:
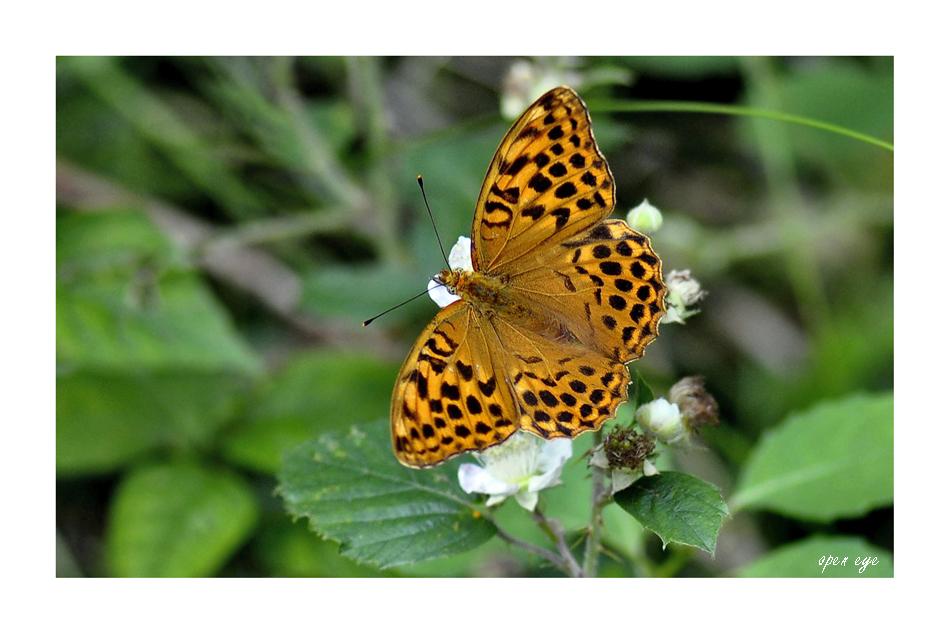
(742, 111)
(275, 230)
(592, 547)
(544, 553)
(556, 534)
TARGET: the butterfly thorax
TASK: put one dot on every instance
(495, 298)
(484, 292)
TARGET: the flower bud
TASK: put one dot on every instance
(645, 218)
(662, 420)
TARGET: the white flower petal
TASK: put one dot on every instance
(661, 419)
(514, 460)
(521, 466)
(555, 453)
(599, 458)
(460, 257)
(682, 293)
(527, 499)
(475, 479)
(620, 479)
(496, 499)
(544, 481)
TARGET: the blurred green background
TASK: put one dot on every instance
(224, 225)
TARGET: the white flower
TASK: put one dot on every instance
(521, 466)
(682, 292)
(526, 81)
(663, 421)
(645, 218)
(460, 257)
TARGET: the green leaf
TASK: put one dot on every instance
(178, 520)
(643, 393)
(105, 421)
(833, 461)
(89, 243)
(353, 490)
(309, 396)
(146, 357)
(120, 306)
(677, 507)
(179, 140)
(808, 558)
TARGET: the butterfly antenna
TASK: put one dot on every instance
(372, 319)
(432, 220)
(441, 248)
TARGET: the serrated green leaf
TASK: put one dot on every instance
(833, 461)
(677, 507)
(178, 520)
(353, 491)
(808, 558)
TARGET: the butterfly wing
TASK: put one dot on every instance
(447, 398)
(563, 388)
(605, 285)
(547, 181)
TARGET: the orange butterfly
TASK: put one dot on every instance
(559, 300)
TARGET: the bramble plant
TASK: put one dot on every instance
(225, 224)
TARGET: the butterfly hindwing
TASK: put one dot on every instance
(605, 284)
(563, 389)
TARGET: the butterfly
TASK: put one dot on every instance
(560, 299)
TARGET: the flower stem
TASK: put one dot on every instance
(556, 533)
(544, 553)
(592, 547)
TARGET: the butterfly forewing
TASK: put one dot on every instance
(547, 181)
